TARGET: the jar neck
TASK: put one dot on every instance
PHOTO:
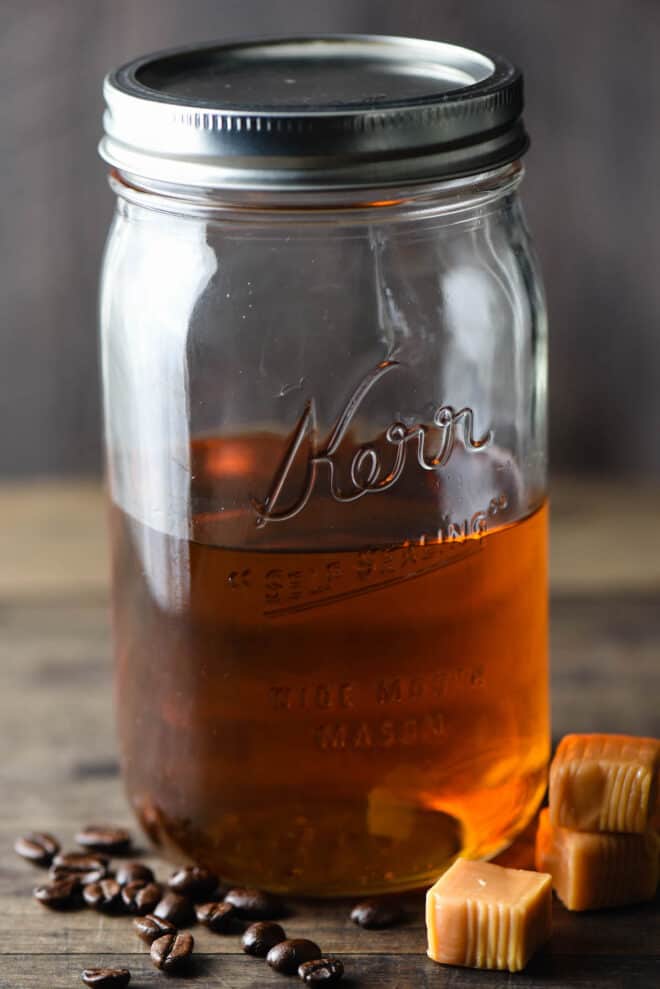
(449, 195)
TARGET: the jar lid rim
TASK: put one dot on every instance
(329, 111)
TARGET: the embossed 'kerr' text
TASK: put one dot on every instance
(369, 474)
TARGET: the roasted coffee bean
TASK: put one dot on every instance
(37, 847)
(62, 894)
(287, 956)
(259, 938)
(374, 914)
(218, 917)
(193, 881)
(81, 861)
(141, 898)
(102, 838)
(89, 868)
(104, 896)
(172, 951)
(57, 872)
(106, 978)
(175, 908)
(134, 872)
(255, 904)
(150, 928)
(322, 970)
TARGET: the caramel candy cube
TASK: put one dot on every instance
(485, 916)
(591, 871)
(605, 783)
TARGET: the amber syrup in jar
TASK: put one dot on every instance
(323, 720)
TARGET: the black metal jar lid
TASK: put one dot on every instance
(340, 111)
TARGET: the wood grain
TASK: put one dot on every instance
(60, 770)
(400, 971)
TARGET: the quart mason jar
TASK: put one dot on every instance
(324, 364)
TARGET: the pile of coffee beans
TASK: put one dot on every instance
(86, 878)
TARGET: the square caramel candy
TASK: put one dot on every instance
(594, 870)
(605, 783)
(485, 916)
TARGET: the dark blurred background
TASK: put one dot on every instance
(592, 195)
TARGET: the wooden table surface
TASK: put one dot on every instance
(59, 766)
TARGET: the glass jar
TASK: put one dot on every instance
(324, 365)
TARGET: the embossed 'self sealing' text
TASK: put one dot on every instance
(368, 473)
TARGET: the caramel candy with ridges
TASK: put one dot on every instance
(595, 870)
(481, 915)
(605, 783)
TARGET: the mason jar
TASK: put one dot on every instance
(324, 370)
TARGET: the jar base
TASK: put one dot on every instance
(418, 846)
